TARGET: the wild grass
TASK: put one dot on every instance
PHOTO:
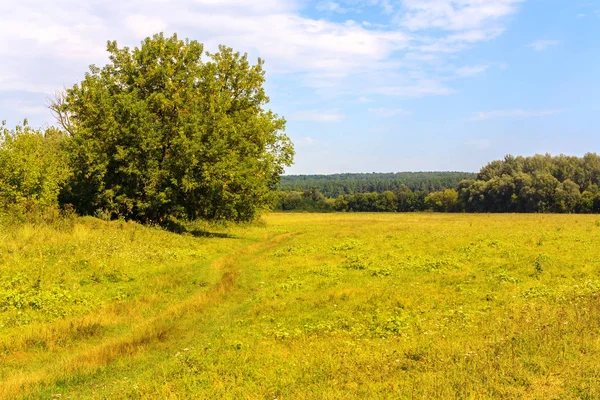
(304, 306)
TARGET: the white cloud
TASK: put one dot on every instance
(291, 43)
(317, 116)
(364, 99)
(142, 25)
(468, 71)
(419, 89)
(457, 42)
(541, 45)
(462, 23)
(344, 58)
(388, 112)
(454, 15)
(482, 116)
(75, 33)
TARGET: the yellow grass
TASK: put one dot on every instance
(304, 306)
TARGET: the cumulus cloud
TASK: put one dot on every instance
(45, 46)
(73, 34)
(454, 15)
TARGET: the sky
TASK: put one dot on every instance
(365, 85)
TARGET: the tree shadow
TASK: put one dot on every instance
(179, 228)
(203, 233)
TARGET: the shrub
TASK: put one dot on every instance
(32, 169)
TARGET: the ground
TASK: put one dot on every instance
(303, 306)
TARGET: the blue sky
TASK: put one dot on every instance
(366, 85)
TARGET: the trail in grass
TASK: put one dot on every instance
(89, 353)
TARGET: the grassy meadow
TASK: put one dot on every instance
(303, 306)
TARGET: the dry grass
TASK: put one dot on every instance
(308, 306)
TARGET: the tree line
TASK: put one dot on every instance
(537, 184)
(332, 186)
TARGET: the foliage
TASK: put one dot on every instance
(309, 200)
(446, 201)
(32, 168)
(161, 132)
(313, 201)
(333, 186)
(538, 184)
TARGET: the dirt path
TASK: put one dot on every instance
(84, 356)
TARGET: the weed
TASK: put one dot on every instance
(380, 271)
(539, 263)
(355, 263)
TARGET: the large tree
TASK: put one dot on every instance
(160, 131)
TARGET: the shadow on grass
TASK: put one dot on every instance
(202, 233)
(180, 228)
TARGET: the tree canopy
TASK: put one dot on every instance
(167, 129)
(338, 184)
(540, 183)
(32, 168)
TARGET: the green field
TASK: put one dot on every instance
(303, 306)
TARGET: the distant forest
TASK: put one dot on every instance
(541, 183)
(332, 186)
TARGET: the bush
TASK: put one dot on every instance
(33, 169)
